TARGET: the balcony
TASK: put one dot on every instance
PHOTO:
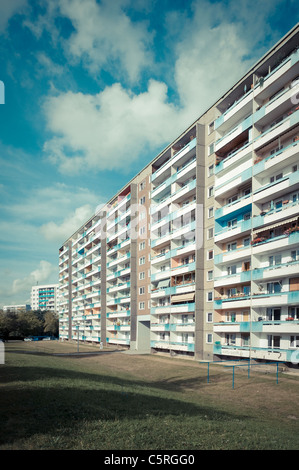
(264, 242)
(278, 159)
(288, 211)
(262, 326)
(173, 345)
(273, 132)
(279, 298)
(227, 233)
(276, 271)
(171, 308)
(235, 135)
(268, 354)
(236, 206)
(241, 108)
(228, 184)
(281, 187)
(232, 279)
(176, 157)
(238, 254)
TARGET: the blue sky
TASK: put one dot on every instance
(93, 91)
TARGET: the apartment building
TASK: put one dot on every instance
(44, 297)
(16, 308)
(198, 254)
(256, 211)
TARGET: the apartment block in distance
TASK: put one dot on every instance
(44, 297)
(198, 254)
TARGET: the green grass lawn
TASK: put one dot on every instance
(124, 402)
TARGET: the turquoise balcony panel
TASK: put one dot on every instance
(293, 297)
(245, 327)
(258, 167)
(257, 273)
(293, 356)
(217, 349)
(258, 221)
(247, 123)
(295, 57)
(294, 119)
(245, 276)
(218, 258)
(294, 237)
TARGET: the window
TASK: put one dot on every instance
(211, 148)
(209, 317)
(232, 223)
(278, 204)
(231, 292)
(276, 178)
(141, 305)
(230, 339)
(231, 269)
(294, 342)
(142, 200)
(209, 338)
(142, 275)
(142, 186)
(210, 233)
(273, 314)
(294, 255)
(210, 254)
(210, 212)
(141, 246)
(231, 246)
(232, 199)
(211, 191)
(211, 170)
(141, 290)
(273, 151)
(273, 341)
(141, 230)
(246, 242)
(273, 287)
(211, 127)
(142, 260)
(294, 312)
(210, 296)
(210, 275)
(274, 260)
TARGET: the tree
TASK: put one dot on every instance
(29, 324)
(51, 323)
(8, 324)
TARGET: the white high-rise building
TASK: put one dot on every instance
(44, 297)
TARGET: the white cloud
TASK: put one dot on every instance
(110, 129)
(51, 202)
(114, 127)
(41, 274)
(105, 37)
(60, 232)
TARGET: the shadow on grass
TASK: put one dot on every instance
(45, 400)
